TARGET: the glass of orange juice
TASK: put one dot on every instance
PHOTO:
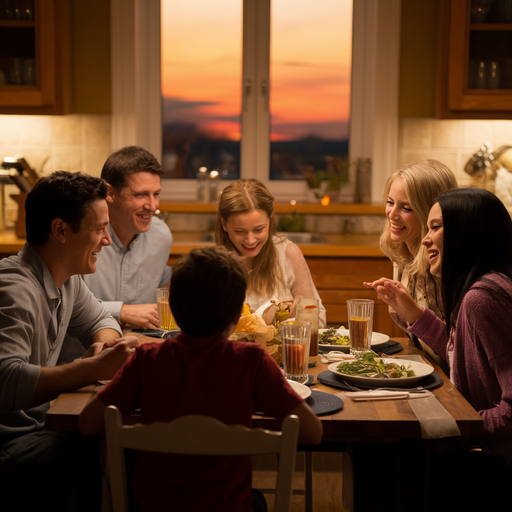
(165, 316)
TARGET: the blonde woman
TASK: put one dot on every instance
(277, 268)
(409, 194)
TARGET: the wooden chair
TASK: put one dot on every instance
(198, 435)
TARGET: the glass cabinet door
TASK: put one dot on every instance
(478, 72)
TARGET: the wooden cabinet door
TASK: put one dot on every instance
(340, 279)
(472, 48)
(45, 42)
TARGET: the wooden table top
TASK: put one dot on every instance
(385, 420)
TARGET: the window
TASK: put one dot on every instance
(136, 105)
(228, 106)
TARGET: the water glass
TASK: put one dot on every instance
(295, 338)
(307, 311)
(360, 324)
(165, 317)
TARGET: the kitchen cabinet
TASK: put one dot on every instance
(35, 57)
(476, 59)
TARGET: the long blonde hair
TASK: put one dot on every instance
(245, 196)
(423, 181)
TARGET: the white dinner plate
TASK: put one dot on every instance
(420, 369)
(377, 340)
(300, 389)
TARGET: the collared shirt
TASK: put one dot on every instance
(132, 275)
(35, 317)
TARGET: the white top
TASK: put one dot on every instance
(297, 277)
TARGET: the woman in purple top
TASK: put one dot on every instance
(469, 243)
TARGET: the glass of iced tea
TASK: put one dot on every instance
(360, 324)
(295, 338)
(167, 322)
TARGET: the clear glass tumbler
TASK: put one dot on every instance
(167, 322)
(295, 338)
(307, 311)
(360, 325)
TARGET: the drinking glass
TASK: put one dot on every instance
(295, 338)
(360, 324)
(165, 317)
(307, 311)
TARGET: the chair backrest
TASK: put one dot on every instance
(199, 435)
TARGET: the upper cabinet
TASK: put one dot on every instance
(476, 57)
(35, 73)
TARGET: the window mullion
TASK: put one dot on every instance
(262, 127)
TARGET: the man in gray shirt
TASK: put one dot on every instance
(135, 265)
(42, 299)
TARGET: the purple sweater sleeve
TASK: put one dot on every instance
(432, 331)
(485, 335)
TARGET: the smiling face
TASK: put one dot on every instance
(247, 231)
(88, 241)
(433, 240)
(404, 224)
(131, 208)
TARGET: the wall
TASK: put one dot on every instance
(449, 141)
(421, 135)
(78, 142)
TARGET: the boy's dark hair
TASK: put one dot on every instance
(207, 290)
(60, 195)
(126, 161)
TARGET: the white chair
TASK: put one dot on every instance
(198, 435)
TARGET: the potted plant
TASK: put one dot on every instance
(315, 181)
(337, 175)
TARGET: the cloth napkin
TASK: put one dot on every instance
(334, 356)
(381, 394)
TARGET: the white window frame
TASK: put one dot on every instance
(136, 91)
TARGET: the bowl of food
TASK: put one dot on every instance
(339, 339)
(370, 370)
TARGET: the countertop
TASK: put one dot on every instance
(353, 245)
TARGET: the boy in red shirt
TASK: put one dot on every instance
(201, 372)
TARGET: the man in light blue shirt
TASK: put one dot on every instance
(131, 269)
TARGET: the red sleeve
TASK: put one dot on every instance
(123, 390)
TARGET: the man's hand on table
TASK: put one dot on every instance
(111, 354)
(140, 315)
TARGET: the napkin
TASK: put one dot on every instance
(377, 394)
(335, 355)
(382, 394)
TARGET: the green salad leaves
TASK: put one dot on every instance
(331, 337)
(371, 365)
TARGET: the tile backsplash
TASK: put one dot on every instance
(83, 142)
(74, 142)
(452, 142)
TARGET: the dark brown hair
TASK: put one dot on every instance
(126, 161)
(60, 195)
(207, 290)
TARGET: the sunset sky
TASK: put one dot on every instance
(310, 66)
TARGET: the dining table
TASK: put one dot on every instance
(386, 450)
